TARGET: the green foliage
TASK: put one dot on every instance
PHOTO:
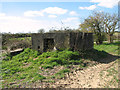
(7, 56)
(13, 65)
(100, 37)
(109, 48)
(26, 54)
(97, 23)
(58, 57)
(94, 24)
(21, 38)
(38, 77)
(45, 66)
(26, 65)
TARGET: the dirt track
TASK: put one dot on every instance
(91, 77)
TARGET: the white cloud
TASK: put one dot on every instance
(15, 24)
(73, 13)
(71, 19)
(55, 10)
(20, 24)
(92, 7)
(2, 14)
(52, 16)
(49, 10)
(71, 22)
(33, 13)
(106, 3)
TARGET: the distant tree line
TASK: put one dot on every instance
(17, 35)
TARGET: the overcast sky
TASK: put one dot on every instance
(24, 17)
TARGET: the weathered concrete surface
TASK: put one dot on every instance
(17, 51)
(75, 41)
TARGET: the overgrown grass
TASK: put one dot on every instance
(112, 48)
(57, 57)
(25, 67)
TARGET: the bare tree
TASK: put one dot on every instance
(94, 24)
(101, 23)
(110, 25)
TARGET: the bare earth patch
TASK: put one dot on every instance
(96, 75)
(89, 78)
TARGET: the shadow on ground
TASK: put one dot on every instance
(93, 55)
(99, 56)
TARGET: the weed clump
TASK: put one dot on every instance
(58, 57)
(15, 64)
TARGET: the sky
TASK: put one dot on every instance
(29, 17)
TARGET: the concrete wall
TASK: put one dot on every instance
(61, 40)
(88, 41)
(75, 41)
(81, 41)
